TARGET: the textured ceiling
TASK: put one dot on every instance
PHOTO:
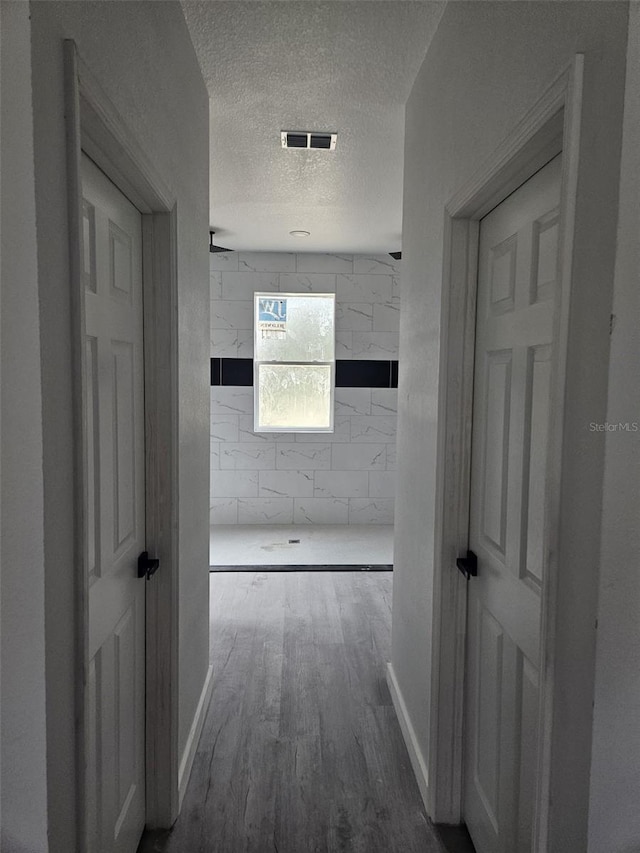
(335, 66)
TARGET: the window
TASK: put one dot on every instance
(294, 362)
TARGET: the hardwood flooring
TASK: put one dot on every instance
(301, 750)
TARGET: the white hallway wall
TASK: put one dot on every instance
(23, 768)
(142, 56)
(460, 109)
(614, 819)
(344, 477)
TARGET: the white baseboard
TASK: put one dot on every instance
(408, 733)
(189, 753)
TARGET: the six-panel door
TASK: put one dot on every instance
(514, 339)
(115, 512)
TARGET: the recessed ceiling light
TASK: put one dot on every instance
(300, 233)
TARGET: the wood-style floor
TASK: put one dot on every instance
(301, 750)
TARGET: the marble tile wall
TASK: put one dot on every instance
(346, 477)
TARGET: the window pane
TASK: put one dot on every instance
(294, 396)
(291, 327)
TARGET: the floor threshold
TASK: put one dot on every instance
(326, 567)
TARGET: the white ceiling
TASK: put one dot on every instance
(342, 65)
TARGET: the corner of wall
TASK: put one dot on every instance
(614, 819)
(23, 772)
(418, 760)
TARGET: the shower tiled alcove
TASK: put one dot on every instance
(344, 477)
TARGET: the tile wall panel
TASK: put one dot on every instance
(243, 484)
(245, 343)
(240, 286)
(224, 343)
(265, 510)
(307, 282)
(224, 427)
(344, 344)
(286, 484)
(354, 316)
(267, 261)
(383, 264)
(227, 314)
(353, 401)
(223, 510)
(384, 401)
(381, 345)
(309, 457)
(371, 511)
(376, 289)
(223, 261)
(305, 478)
(382, 484)
(359, 457)
(342, 484)
(373, 428)
(321, 511)
(215, 284)
(328, 263)
(386, 318)
(247, 457)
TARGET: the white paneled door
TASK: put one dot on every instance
(112, 251)
(514, 341)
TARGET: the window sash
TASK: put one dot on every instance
(257, 427)
(293, 322)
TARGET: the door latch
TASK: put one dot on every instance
(147, 566)
(468, 565)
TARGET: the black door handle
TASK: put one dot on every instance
(147, 565)
(468, 565)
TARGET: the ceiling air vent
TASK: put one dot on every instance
(308, 139)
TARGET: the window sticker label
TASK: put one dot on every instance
(272, 315)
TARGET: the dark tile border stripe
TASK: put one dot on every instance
(364, 374)
(349, 373)
(216, 371)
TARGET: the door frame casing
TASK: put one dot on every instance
(551, 126)
(93, 125)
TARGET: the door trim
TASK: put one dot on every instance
(552, 125)
(94, 126)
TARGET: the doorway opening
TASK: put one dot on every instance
(108, 171)
(514, 351)
(551, 127)
(304, 500)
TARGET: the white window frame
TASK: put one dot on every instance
(257, 363)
